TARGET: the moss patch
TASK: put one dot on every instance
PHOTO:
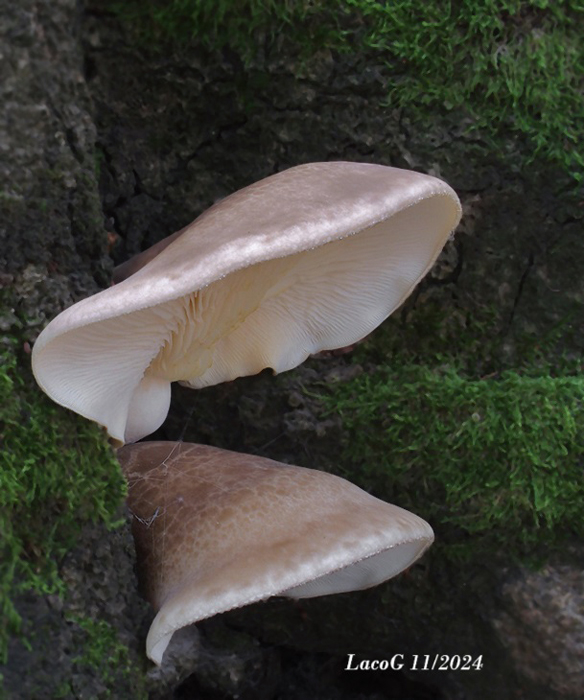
(511, 66)
(500, 458)
(236, 24)
(57, 473)
(103, 653)
(441, 332)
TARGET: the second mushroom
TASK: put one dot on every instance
(216, 530)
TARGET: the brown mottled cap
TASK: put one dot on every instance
(216, 530)
(313, 258)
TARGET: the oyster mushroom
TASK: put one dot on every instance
(216, 530)
(313, 258)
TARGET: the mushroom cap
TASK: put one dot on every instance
(266, 277)
(216, 530)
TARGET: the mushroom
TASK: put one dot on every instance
(312, 258)
(216, 530)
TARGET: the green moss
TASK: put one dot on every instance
(436, 334)
(497, 461)
(512, 66)
(220, 23)
(478, 343)
(57, 472)
(102, 650)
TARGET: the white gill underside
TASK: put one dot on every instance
(275, 313)
(198, 321)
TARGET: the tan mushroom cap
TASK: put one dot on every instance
(216, 530)
(266, 277)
